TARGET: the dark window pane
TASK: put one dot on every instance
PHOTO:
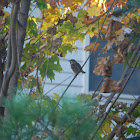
(133, 86)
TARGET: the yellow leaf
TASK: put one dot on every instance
(100, 2)
(88, 96)
(91, 34)
(34, 95)
(56, 96)
(40, 81)
(89, 47)
(30, 77)
(51, 17)
(126, 123)
(69, 3)
(107, 127)
(118, 32)
(94, 10)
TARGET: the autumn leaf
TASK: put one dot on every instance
(126, 123)
(52, 15)
(118, 32)
(107, 47)
(113, 26)
(108, 86)
(118, 58)
(91, 33)
(120, 38)
(107, 127)
(53, 3)
(94, 10)
(138, 10)
(56, 96)
(71, 4)
(104, 67)
(88, 3)
(34, 95)
(90, 47)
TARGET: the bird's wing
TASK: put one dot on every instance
(78, 67)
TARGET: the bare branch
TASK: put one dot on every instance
(92, 96)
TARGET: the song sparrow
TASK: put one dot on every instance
(75, 66)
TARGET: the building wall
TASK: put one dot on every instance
(77, 86)
(81, 83)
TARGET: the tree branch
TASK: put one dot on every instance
(124, 118)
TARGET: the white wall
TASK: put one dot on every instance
(77, 86)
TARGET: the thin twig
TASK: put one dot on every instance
(38, 66)
(58, 85)
(36, 75)
(32, 10)
(65, 91)
(92, 96)
(35, 41)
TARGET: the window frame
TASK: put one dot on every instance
(123, 97)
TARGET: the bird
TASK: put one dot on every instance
(76, 67)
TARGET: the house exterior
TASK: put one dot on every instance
(85, 83)
(78, 86)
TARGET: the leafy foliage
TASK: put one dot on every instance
(51, 36)
(29, 117)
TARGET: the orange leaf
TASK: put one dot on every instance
(4, 68)
(126, 123)
(138, 11)
(34, 95)
(90, 47)
(53, 3)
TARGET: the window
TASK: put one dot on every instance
(133, 86)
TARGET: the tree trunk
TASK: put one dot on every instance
(18, 23)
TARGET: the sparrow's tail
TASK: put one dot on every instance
(83, 71)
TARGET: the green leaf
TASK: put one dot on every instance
(66, 27)
(136, 112)
(64, 49)
(130, 130)
(41, 4)
(32, 29)
(53, 65)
